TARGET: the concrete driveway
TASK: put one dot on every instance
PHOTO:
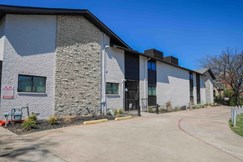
(197, 135)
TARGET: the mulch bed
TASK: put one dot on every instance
(62, 122)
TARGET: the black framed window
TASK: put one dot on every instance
(152, 101)
(191, 85)
(152, 76)
(152, 65)
(152, 81)
(28, 83)
(152, 91)
(198, 89)
(112, 88)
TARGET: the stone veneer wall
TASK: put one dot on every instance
(77, 65)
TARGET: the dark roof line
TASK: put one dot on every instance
(154, 58)
(203, 71)
(211, 73)
(7, 9)
(117, 42)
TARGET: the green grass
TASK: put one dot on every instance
(239, 125)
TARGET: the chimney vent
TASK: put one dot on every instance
(154, 53)
(171, 59)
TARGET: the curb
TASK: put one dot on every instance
(205, 142)
(95, 121)
(123, 118)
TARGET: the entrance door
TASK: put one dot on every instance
(131, 95)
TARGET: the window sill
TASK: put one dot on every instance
(32, 93)
(112, 95)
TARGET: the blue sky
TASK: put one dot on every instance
(187, 29)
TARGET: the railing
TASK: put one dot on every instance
(234, 112)
(132, 107)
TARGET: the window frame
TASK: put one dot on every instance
(32, 84)
(112, 84)
(152, 89)
(152, 65)
(191, 82)
(198, 88)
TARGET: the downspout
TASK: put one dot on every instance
(124, 92)
(103, 102)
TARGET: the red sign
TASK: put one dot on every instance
(8, 92)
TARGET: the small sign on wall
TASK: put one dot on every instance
(8, 92)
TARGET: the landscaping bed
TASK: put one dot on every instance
(239, 125)
(42, 125)
(168, 108)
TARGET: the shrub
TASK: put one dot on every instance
(232, 101)
(228, 93)
(116, 112)
(52, 120)
(33, 117)
(177, 108)
(241, 101)
(29, 123)
(169, 106)
(161, 110)
(150, 109)
(121, 112)
(198, 106)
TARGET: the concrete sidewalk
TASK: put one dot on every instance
(21, 148)
(198, 135)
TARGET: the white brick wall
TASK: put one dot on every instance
(208, 88)
(115, 73)
(172, 85)
(29, 49)
(143, 80)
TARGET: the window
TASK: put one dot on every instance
(112, 88)
(27, 83)
(198, 89)
(152, 65)
(191, 85)
(152, 91)
(152, 99)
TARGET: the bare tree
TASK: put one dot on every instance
(228, 69)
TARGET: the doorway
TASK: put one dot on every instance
(131, 95)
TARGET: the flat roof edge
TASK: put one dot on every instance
(154, 58)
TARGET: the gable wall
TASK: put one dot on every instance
(29, 48)
(78, 66)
